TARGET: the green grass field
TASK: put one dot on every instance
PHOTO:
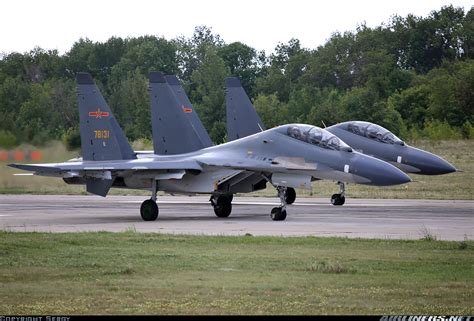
(133, 273)
(452, 186)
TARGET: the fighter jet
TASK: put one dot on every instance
(365, 137)
(375, 140)
(286, 156)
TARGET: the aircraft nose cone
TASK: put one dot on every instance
(380, 173)
(427, 163)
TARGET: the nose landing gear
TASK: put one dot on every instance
(339, 199)
(279, 213)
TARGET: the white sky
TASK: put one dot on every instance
(261, 24)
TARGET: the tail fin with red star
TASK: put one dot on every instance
(101, 136)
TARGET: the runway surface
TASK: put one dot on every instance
(364, 218)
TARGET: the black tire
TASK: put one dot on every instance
(290, 195)
(337, 199)
(278, 214)
(230, 197)
(223, 206)
(149, 210)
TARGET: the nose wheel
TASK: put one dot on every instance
(279, 213)
(149, 209)
(339, 199)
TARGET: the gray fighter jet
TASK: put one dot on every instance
(372, 139)
(365, 137)
(163, 110)
(286, 156)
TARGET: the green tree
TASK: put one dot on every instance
(412, 104)
(208, 97)
(452, 93)
(242, 62)
(364, 104)
(131, 102)
(424, 43)
(287, 65)
(271, 110)
(327, 110)
(13, 92)
(191, 52)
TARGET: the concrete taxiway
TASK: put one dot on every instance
(364, 218)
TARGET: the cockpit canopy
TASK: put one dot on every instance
(316, 136)
(372, 131)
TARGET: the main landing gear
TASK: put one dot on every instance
(149, 208)
(279, 213)
(339, 199)
(222, 204)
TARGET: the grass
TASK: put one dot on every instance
(134, 273)
(451, 186)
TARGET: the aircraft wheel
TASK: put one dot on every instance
(278, 214)
(337, 199)
(290, 195)
(223, 206)
(149, 210)
(230, 197)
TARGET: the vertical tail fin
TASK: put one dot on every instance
(192, 117)
(174, 128)
(101, 136)
(242, 119)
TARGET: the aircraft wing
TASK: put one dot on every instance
(56, 169)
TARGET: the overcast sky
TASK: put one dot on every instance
(262, 24)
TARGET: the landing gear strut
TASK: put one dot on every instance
(339, 199)
(149, 208)
(222, 204)
(279, 213)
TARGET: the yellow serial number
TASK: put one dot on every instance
(102, 133)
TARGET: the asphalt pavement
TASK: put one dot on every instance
(358, 218)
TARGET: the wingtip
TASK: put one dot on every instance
(84, 78)
(156, 77)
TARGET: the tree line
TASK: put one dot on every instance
(413, 75)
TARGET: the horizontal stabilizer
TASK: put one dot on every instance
(36, 168)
